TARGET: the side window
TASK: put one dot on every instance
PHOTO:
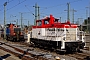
(46, 22)
(56, 21)
(39, 23)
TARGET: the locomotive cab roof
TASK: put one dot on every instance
(51, 22)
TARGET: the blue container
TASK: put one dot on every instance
(7, 31)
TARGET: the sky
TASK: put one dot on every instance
(58, 8)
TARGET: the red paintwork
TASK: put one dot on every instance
(11, 29)
(53, 24)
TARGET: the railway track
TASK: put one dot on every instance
(80, 56)
(25, 51)
(21, 52)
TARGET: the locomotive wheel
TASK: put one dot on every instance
(61, 52)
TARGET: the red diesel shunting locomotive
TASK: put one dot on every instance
(51, 33)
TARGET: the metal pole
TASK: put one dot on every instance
(60, 19)
(87, 16)
(68, 12)
(73, 15)
(28, 23)
(38, 13)
(78, 22)
(5, 19)
(17, 22)
(87, 24)
(21, 21)
(86, 12)
(28, 26)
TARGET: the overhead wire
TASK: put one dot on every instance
(14, 5)
(41, 7)
(60, 5)
(75, 1)
(29, 10)
(17, 4)
(9, 1)
(20, 2)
